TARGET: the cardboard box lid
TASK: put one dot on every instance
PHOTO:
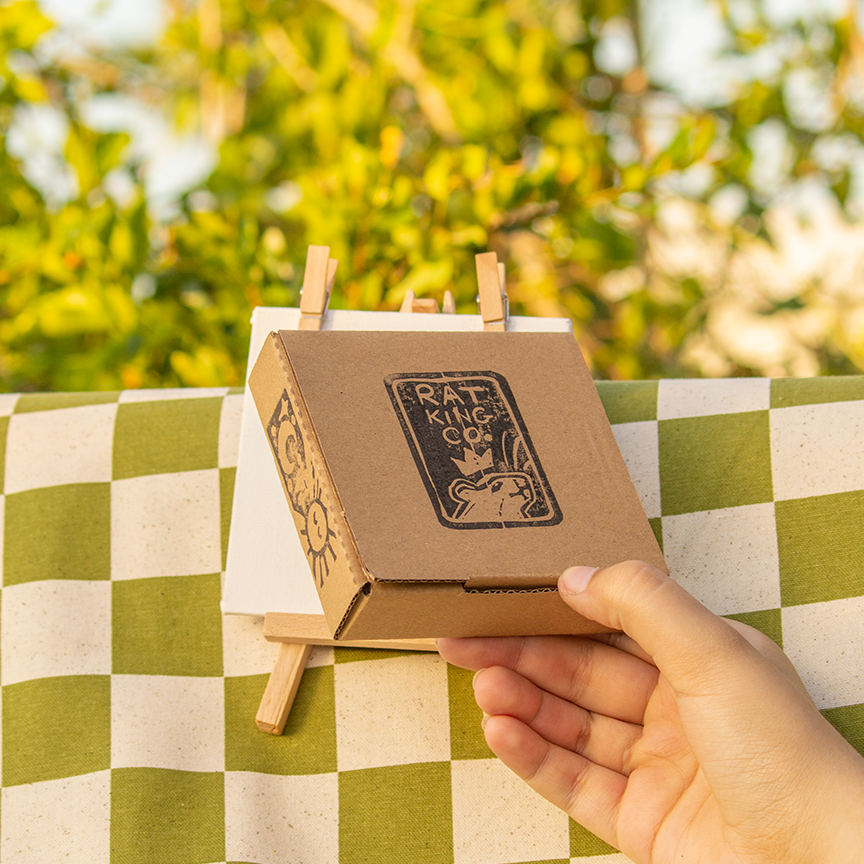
(481, 458)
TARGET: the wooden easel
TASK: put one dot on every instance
(298, 633)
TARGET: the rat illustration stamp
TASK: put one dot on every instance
(472, 450)
(302, 487)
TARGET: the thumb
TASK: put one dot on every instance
(683, 638)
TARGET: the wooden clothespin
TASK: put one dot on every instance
(411, 303)
(317, 286)
(285, 678)
(492, 296)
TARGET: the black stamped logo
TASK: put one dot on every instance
(472, 450)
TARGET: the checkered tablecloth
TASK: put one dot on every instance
(128, 701)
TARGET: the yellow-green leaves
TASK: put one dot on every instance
(437, 178)
(408, 136)
(21, 25)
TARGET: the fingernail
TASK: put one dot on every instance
(474, 679)
(484, 721)
(575, 580)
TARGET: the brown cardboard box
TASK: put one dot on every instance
(441, 482)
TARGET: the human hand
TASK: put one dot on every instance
(685, 738)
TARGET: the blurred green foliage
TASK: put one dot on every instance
(407, 136)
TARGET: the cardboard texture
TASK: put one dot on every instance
(441, 482)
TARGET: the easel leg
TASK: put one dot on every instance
(282, 688)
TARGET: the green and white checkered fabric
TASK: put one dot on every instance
(128, 701)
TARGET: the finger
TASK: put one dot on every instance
(765, 645)
(469, 653)
(622, 642)
(583, 671)
(588, 793)
(771, 651)
(686, 641)
(601, 739)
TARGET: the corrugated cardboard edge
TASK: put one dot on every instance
(401, 610)
(339, 582)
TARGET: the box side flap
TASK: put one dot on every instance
(430, 610)
(308, 487)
